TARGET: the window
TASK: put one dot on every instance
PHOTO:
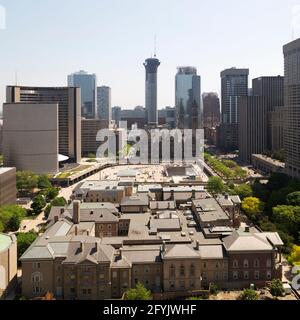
(256, 275)
(204, 276)
(192, 284)
(36, 277)
(246, 263)
(269, 274)
(72, 276)
(89, 291)
(125, 274)
(36, 265)
(204, 266)
(235, 275)
(36, 289)
(84, 291)
(72, 290)
(216, 276)
(235, 264)
(256, 263)
(115, 274)
(217, 265)
(192, 270)
(172, 284)
(101, 276)
(172, 271)
(101, 288)
(147, 270)
(182, 284)
(182, 271)
(109, 227)
(246, 275)
(269, 263)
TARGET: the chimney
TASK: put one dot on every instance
(76, 231)
(226, 196)
(87, 232)
(247, 229)
(96, 246)
(163, 248)
(56, 219)
(81, 246)
(76, 211)
(197, 245)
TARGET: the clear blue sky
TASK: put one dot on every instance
(46, 40)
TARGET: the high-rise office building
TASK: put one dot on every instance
(104, 103)
(8, 187)
(88, 85)
(151, 66)
(69, 113)
(252, 126)
(272, 89)
(187, 97)
(292, 107)
(211, 110)
(234, 84)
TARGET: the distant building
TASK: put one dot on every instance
(266, 164)
(256, 113)
(1, 135)
(276, 127)
(89, 131)
(30, 137)
(8, 188)
(88, 85)
(151, 66)
(292, 108)
(104, 103)
(8, 264)
(211, 110)
(69, 113)
(234, 84)
(252, 127)
(187, 98)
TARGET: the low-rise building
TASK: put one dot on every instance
(8, 188)
(8, 264)
(266, 164)
(135, 204)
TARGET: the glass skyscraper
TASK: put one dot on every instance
(188, 98)
(88, 84)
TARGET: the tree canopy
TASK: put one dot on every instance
(138, 293)
(249, 294)
(253, 207)
(11, 217)
(215, 185)
(38, 204)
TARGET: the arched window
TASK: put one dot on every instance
(36, 277)
(172, 271)
(182, 271)
(235, 264)
(256, 263)
(246, 263)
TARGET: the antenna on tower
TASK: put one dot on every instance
(16, 78)
(155, 45)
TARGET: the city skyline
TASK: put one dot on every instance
(39, 64)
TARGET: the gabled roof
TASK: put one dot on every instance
(246, 241)
(180, 251)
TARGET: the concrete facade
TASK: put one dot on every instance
(69, 113)
(30, 137)
(8, 188)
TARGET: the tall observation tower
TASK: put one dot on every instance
(151, 66)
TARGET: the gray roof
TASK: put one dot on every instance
(165, 224)
(142, 254)
(139, 200)
(180, 251)
(211, 252)
(209, 210)
(246, 241)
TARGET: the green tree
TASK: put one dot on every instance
(38, 203)
(26, 181)
(51, 193)
(249, 294)
(253, 207)
(138, 293)
(11, 217)
(24, 241)
(289, 218)
(215, 185)
(58, 202)
(47, 210)
(44, 182)
(276, 288)
(293, 199)
(243, 191)
(294, 257)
